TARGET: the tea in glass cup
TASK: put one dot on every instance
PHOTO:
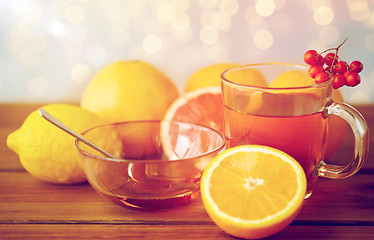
(292, 119)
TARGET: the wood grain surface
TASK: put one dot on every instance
(32, 209)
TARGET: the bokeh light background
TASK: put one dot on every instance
(49, 50)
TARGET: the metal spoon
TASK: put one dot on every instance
(46, 115)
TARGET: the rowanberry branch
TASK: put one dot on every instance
(339, 70)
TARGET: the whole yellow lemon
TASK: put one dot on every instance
(45, 151)
(129, 91)
(209, 76)
(298, 78)
(292, 78)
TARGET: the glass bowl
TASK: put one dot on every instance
(159, 163)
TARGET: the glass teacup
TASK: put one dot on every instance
(292, 119)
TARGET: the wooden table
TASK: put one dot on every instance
(32, 209)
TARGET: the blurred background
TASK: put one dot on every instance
(49, 50)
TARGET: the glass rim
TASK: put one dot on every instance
(219, 148)
(226, 80)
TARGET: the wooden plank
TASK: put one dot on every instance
(350, 199)
(8, 159)
(366, 111)
(346, 152)
(24, 199)
(32, 209)
(12, 116)
(119, 231)
(16, 113)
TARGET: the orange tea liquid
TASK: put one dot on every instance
(300, 136)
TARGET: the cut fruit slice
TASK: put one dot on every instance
(253, 191)
(202, 106)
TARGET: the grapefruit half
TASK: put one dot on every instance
(203, 106)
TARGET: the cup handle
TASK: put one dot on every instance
(361, 146)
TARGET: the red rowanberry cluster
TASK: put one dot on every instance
(342, 73)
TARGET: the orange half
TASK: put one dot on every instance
(253, 191)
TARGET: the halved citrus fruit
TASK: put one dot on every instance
(253, 191)
(202, 106)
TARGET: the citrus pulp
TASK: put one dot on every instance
(202, 106)
(253, 191)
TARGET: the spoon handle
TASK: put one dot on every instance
(46, 115)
